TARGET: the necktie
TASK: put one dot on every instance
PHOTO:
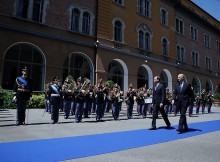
(156, 87)
(181, 86)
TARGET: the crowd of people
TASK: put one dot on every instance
(80, 99)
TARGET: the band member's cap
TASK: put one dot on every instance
(100, 81)
(56, 78)
(116, 86)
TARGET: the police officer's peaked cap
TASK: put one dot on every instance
(24, 69)
(56, 78)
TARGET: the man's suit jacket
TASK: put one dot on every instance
(159, 94)
(183, 95)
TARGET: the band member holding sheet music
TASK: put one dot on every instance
(158, 103)
(129, 99)
(22, 94)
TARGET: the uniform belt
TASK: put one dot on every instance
(23, 90)
(55, 95)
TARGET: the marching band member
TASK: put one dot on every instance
(46, 98)
(55, 99)
(140, 100)
(67, 91)
(88, 102)
(130, 101)
(191, 105)
(100, 93)
(167, 103)
(116, 102)
(80, 99)
(197, 103)
(145, 107)
(204, 99)
(209, 101)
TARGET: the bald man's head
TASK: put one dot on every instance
(181, 77)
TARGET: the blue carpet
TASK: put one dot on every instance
(81, 146)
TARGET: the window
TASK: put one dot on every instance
(194, 33)
(164, 17)
(81, 21)
(179, 26)
(144, 40)
(195, 58)
(120, 2)
(144, 36)
(208, 63)
(86, 23)
(206, 40)
(218, 46)
(165, 47)
(77, 64)
(180, 53)
(144, 7)
(30, 9)
(75, 19)
(118, 31)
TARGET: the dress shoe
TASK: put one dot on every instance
(180, 130)
(153, 128)
(169, 126)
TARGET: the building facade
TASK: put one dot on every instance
(124, 41)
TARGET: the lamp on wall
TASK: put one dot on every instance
(96, 43)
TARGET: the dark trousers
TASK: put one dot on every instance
(79, 111)
(99, 110)
(67, 107)
(21, 108)
(156, 109)
(55, 102)
(115, 110)
(130, 107)
(182, 121)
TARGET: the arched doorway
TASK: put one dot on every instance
(196, 85)
(116, 73)
(209, 86)
(19, 55)
(78, 64)
(142, 77)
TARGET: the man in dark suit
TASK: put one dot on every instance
(182, 94)
(158, 103)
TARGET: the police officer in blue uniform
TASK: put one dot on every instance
(22, 94)
(55, 99)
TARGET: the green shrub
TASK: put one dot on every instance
(37, 100)
(217, 96)
(7, 97)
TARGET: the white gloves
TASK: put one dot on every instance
(14, 99)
